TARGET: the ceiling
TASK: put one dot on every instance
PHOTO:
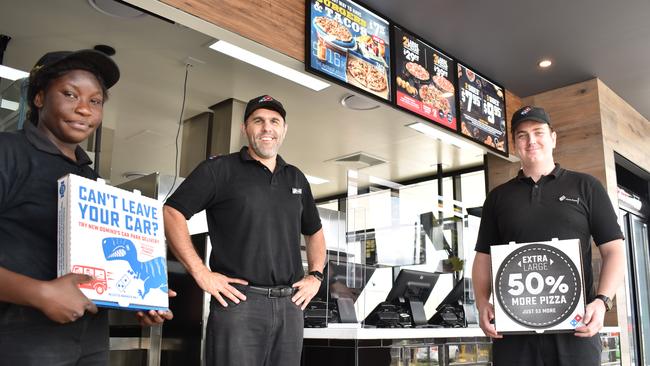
(505, 39)
(145, 106)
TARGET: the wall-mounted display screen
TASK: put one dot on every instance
(350, 44)
(482, 110)
(424, 79)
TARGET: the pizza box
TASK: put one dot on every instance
(538, 287)
(117, 237)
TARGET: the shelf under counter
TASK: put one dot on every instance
(339, 332)
(390, 333)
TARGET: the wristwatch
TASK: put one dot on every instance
(319, 275)
(608, 302)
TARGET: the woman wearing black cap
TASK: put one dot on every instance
(46, 320)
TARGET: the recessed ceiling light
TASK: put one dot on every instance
(358, 103)
(545, 63)
(269, 65)
(10, 73)
(116, 9)
(8, 104)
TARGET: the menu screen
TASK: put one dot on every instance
(424, 80)
(482, 110)
(350, 43)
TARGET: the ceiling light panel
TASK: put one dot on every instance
(269, 65)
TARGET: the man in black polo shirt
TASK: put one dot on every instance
(257, 206)
(542, 202)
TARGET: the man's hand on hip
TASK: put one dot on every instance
(219, 286)
(307, 288)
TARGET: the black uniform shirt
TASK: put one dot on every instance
(255, 216)
(563, 205)
(30, 165)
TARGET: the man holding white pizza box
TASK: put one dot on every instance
(542, 202)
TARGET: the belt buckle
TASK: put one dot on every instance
(273, 293)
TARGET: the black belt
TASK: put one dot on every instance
(272, 292)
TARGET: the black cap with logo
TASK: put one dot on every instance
(529, 113)
(95, 61)
(266, 102)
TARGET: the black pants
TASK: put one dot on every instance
(29, 338)
(260, 331)
(563, 349)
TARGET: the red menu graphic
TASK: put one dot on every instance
(424, 80)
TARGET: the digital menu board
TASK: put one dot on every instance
(482, 110)
(350, 44)
(424, 81)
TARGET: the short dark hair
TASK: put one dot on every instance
(42, 80)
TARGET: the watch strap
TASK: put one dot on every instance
(318, 274)
(606, 300)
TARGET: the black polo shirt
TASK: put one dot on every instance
(29, 168)
(255, 216)
(563, 205)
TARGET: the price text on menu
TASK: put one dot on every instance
(424, 80)
(482, 109)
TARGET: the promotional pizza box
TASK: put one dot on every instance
(117, 237)
(538, 287)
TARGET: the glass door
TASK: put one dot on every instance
(636, 235)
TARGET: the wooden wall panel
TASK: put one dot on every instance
(575, 116)
(279, 25)
(625, 131)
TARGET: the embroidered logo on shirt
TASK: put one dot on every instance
(574, 200)
(296, 190)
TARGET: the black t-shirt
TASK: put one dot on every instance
(29, 168)
(563, 205)
(255, 216)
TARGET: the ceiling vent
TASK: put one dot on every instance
(358, 160)
(116, 8)
(358, 103)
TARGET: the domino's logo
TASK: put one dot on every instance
(62, 190)
(576, 320)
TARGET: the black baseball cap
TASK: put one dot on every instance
(266, 102)
(529, 113)
(96, 61)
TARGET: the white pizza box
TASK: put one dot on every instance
(538, 287)
(117, 237)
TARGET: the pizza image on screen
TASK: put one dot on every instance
(333, 28)
(446, 86)
(417, 70)
(367, 75)
(430, 95)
